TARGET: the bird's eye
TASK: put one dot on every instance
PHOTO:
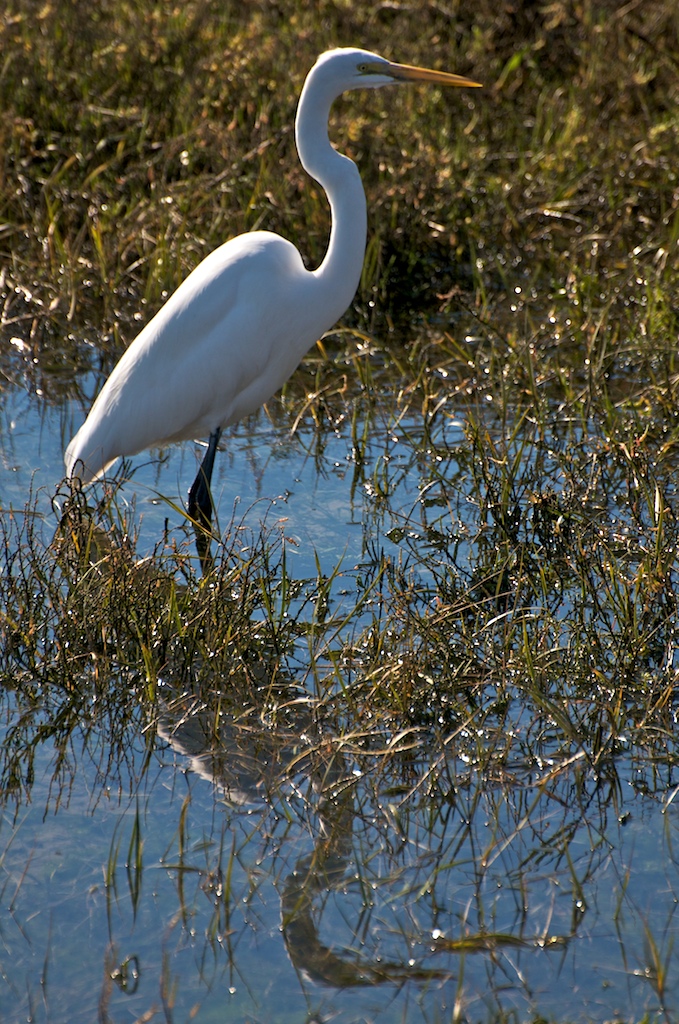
(363, 68)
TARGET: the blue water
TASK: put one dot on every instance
(575, 880)
(200, 925)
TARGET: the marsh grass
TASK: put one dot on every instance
(513, 349)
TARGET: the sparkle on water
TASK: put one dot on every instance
(207, 889)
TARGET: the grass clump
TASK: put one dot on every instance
(457, 717)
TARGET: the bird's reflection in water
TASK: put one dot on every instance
(251, 763)
(242, 755)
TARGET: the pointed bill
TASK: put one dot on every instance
(409, 73)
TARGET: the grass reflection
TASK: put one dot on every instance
(436, 790)
(431, 778)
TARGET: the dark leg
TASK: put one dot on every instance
(200, 499)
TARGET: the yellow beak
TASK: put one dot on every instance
(408, 73)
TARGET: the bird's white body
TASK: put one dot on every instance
(238, 326)
(219, 319)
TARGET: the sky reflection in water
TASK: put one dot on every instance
(260, 896)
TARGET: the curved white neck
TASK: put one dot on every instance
(340, 271)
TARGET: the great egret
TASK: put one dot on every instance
(240, 323)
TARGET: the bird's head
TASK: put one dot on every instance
(351, 68)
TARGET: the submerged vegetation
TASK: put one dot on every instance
(463, 717)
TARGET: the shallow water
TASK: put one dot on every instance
(556, 896)
(388, 935)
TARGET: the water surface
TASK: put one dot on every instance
(186, 871)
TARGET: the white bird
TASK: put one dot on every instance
(240, 323)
